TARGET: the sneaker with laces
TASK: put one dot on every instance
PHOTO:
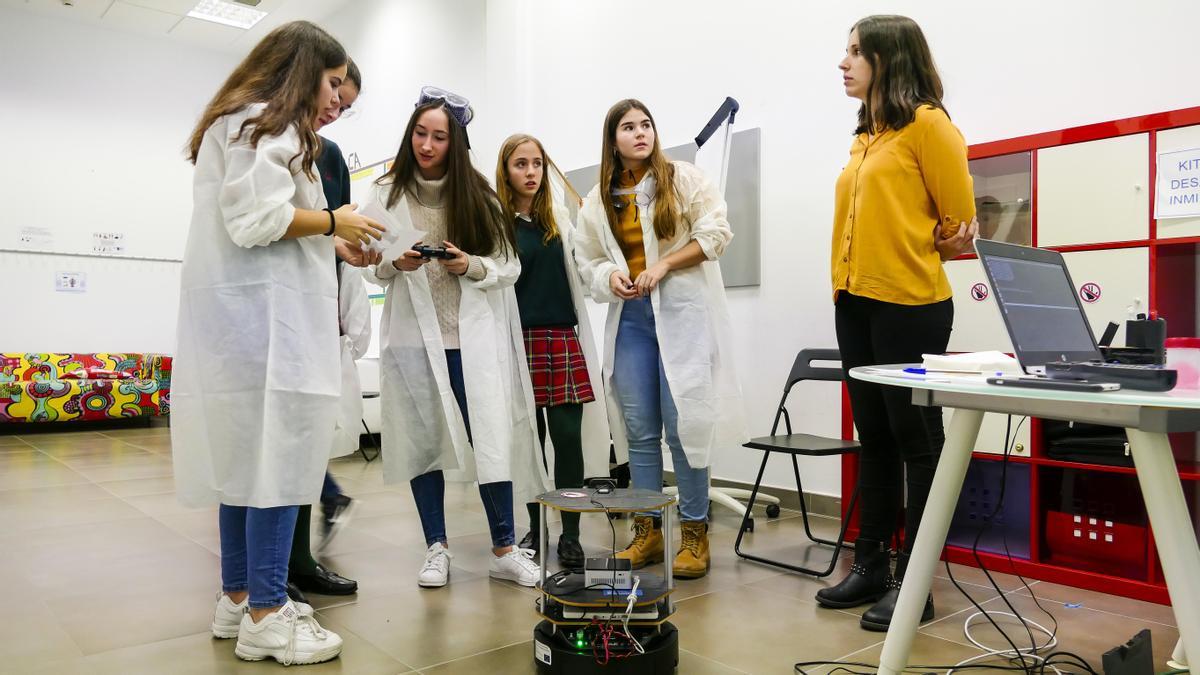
(227, 618)
(287, 636)
(436, 570)
(516, 565)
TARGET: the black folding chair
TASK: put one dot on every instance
(800, 444)
(363, 451)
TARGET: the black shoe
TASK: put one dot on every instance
(879, 617)
(324, 582)
(296, 594)
(867, 581)
(530, 541)
(570, 553)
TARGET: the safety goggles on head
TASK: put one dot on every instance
(459, 107)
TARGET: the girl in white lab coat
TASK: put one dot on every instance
(455, 392)
(649, 237)
(256, 371)
(559, 345)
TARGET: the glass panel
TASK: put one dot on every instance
(1003, 197)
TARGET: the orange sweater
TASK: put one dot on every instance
(897, 186)
(629, 223)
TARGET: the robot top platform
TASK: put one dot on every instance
(620, 500)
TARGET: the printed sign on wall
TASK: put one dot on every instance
(1178, 189)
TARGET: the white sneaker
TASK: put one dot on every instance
(227, 618)
(287, 636)
(436, 570)
(516, 565)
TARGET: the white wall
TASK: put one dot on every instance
(1009, 69)
(94, 123)
(94, 108)
(400, 47)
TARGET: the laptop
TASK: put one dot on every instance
(1050, 333)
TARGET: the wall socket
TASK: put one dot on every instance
(108, 243)
(70, 282)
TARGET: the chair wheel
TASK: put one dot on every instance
(748, 525)
(772, 510)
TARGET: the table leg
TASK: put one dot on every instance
(1178, 657)
(931, 537)
(1173, 530)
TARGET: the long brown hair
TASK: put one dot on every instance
(474, 222)
(666, 209)
(284, 71)
(903, 75)
(543, 200)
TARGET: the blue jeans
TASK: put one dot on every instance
(255, 547)
(646, 406)
(429, 489)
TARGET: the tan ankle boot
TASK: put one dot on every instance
(647, 544)
(692, 560)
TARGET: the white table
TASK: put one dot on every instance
(1147, 418)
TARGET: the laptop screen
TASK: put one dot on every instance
(1037, 299)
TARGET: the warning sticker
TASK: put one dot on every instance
(979, 292)
(1089, 292)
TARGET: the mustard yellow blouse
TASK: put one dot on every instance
(897, 186)
(629, 223)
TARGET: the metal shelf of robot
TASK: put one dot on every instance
(569, 589)
(553, 611)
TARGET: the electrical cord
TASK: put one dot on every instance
(1031, 662)
(1016, 653)
(1021, 654)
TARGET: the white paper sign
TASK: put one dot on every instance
(397, 239)
(1178, 188)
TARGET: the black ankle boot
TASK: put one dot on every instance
(879, 617)
(867, 581)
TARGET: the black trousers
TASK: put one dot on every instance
(901, 442)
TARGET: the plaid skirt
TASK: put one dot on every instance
(557, 367)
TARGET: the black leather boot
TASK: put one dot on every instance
(879, 617)
(867, 581)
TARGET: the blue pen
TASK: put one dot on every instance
(915, 371)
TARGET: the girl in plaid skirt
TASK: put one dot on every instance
(558, 338)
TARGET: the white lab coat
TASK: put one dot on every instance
(692, 319)
(423, 429)
(594, 429)
(255, 382)
(354, 316)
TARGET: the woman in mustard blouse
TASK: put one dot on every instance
(904, 203)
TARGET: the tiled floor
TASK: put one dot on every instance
(106, 573)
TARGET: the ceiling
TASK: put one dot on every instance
(168, 18)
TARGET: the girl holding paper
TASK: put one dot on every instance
(559, 346)
(903, 204)
(454, 386)
(258, 295)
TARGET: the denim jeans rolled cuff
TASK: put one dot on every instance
(649, 411)
(256, 545)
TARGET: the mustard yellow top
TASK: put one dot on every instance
(629, 223)
(894, 190)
